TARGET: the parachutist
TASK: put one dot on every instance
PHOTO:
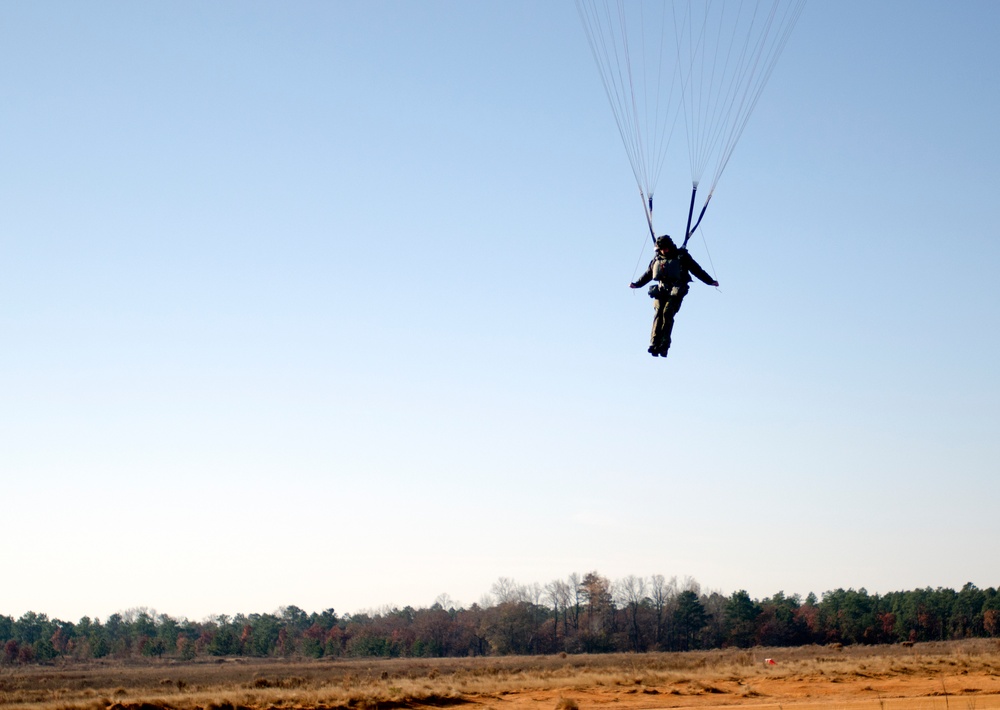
(672, 269)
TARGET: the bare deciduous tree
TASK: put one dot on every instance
(559, 595)
(630, 593)
(506, 590)
(661, 593)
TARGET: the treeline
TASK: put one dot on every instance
(588, 614)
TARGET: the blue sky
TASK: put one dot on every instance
(326, 304)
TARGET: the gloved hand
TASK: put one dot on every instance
(633, 285)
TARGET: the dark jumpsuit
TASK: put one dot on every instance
(672, 272)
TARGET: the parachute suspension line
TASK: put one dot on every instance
(702, 104)
(643, 168)
(647, 207)
(727, 70)
(733, 96)
(713, 79)
(685, 80)
(638, 268)
(629, 44)
(765, 58)
(711, 262)
(720, 99)
(615, 69)
(661, 138)
(723, 54)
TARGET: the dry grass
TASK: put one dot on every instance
(955, 675)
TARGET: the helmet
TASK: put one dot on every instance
(665, 242)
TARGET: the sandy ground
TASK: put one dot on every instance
(968, 691)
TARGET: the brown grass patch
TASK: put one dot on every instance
(882, 677)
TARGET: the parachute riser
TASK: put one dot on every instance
(688, 230)
(647, 206)
(691, 230)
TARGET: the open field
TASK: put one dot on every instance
(948, 676)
